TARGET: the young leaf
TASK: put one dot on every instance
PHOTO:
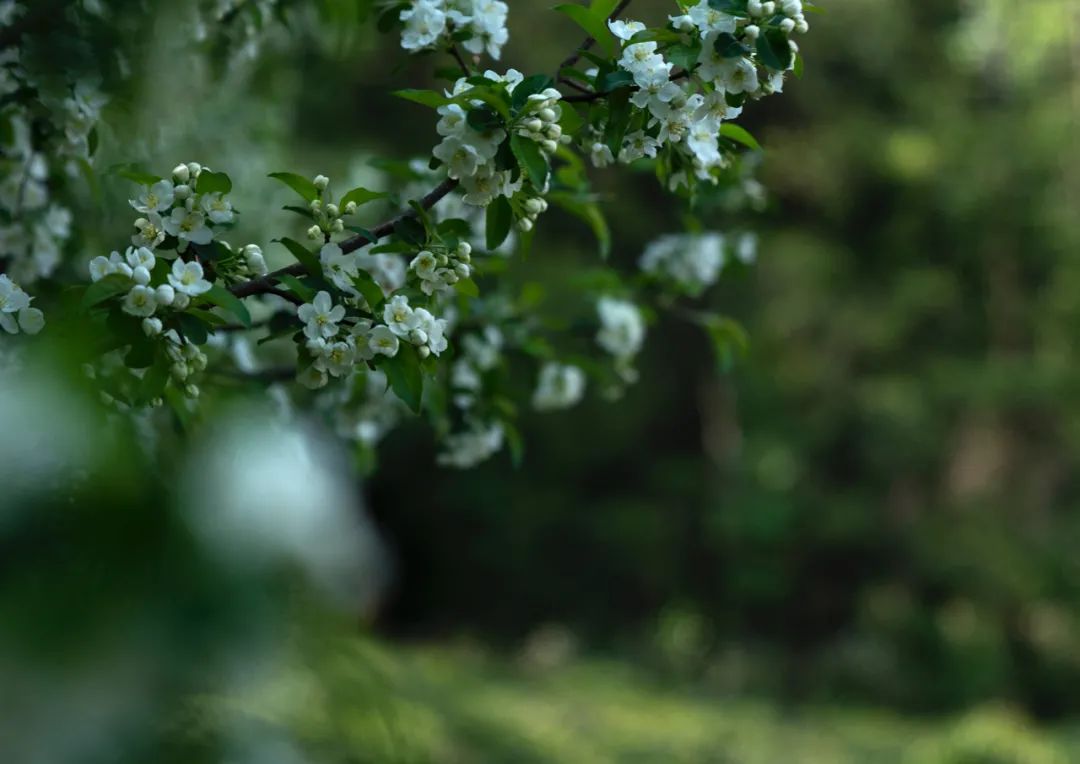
(297, 287)
(430, 98)
(531, 159)
(303, 255)
(500, 216)
(739, 135)
(135, 174)
(361, 196)
(101, 290)
(404, 376)
(371, 291)
(589, 212)
(467, 287)
(297, 183)
(594, 24)
(774, 50)
(223, 298)
(213, 183)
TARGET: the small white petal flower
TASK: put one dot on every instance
(140, 301)
(382, 340)
(187, 278)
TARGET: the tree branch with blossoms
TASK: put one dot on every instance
(416, 305)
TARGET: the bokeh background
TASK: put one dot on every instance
(859, 544)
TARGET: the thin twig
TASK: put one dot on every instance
(265, 284)
(460, 59)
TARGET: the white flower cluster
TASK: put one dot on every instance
(174, 208)
(33, 239)
(15, 310)
(335, 350)
(184, 281)
(693, 261)
(469, 448)
(479, 24)
(622, 332)
(677, 114)
(469, 154)
(439, 272)
(560, 386)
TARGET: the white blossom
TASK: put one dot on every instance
(321, 317)
(187, 278)
(559, 387)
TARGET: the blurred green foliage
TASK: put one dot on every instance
(880, 504)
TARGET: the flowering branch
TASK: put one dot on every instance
(265, 284)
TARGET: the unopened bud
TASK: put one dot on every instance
(140, 275)
(165, 294)
(314, 232)
(195, 169)
(181, 173)
(350, 208)
(321, 182)
(548, 115)
(151, 326)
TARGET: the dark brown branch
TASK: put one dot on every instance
(265, 284)
(587, 45)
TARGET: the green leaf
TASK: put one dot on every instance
(404, 376)
(135, 174)
(500, 216)
(773, 50)
(154, 380)
(213, 319)
(467, 287)
(797, 70)
(142, 354)
(297, 287)
(298, 183)
(371, 291)
(730, 7)
(361, 195)
(589, 212)
(594, 24)
(532, 159)
(302, 211)
(223, 298)
(727, 45)
(431, 98)
(101, 290)
(213, 183)
(729, 339)
(527, 87)
(685, 56)
(303, 255)
(411, 230)
(569, 120)
(739, 135)
(192, 328)
(618, 119)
